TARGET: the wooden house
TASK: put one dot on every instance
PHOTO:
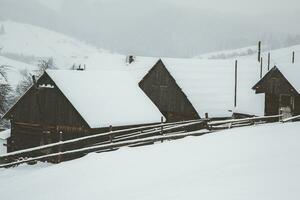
(281, 87)
(186, 89)
(66, 104)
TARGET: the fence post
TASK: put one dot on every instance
(235, 82)
(59, 147)
(111, 136)
(161, 127)
(206, 115)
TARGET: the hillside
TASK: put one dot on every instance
(14, 69)
(244, 163)
(228, 54)
(30, 43)
(278, 56)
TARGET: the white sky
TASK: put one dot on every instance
(163, 27)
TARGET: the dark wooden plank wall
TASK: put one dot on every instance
(46, 106)
(297, 105)
(40, 115)
(164, 92)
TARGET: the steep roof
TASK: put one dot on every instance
(106, 97)
(292, 73)
(208, 83)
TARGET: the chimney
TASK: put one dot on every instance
(130, 59)
(34, 82)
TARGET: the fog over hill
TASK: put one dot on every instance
(163, 27)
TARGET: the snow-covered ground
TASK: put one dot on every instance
(258, 163)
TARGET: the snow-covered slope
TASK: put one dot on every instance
(13, 69)
(31, 43)
(258, 163)
(282, 56)
(228, 54)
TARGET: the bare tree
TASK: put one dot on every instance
(24, 84)
(45, 64)
(5, 96)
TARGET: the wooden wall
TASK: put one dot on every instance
(46, 106)
(164, 92)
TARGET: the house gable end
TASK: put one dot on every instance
(274, 82)
(45, 105)
(160, 86)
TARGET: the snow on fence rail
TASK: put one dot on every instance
(110, 146)
(43, 147)
(244, 120)
(291, 118)
(135, 138)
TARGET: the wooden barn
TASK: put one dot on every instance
(281, 87)
(186, 89)
(66, 104)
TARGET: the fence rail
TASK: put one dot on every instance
(135, 137)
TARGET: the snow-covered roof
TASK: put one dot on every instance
(5, 134)
(292, 73)
(209, 85)
(106, 97)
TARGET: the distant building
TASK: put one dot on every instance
(281, 87)
(74, 103)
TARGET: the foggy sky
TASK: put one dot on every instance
(176, 28)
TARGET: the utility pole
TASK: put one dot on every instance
(259, 51)
(235, 83)
(293, 57)
(261, 66)
(269, 58)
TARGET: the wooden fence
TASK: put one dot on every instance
(128, 137)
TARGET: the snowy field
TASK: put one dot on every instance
(258, 162)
